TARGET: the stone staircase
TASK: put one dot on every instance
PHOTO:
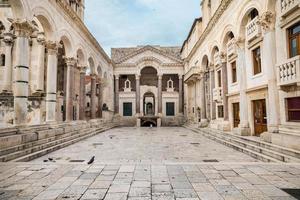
(27, 143)
(260, 150)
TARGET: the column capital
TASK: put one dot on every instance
(70, 61)
(160, 76)
(41, 39)
(180, 76)
(267, 21)
(52, 47)
(137, 76)
(117, 76)
(8, 38)
(22, 27)
(82, 69)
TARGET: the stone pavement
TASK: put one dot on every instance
(147, 164)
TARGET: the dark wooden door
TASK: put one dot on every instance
(260, 117)
(236, 114)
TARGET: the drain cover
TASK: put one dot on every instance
(293, 192)
(212, 160)
(76, 161)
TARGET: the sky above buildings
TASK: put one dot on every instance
(123, 23)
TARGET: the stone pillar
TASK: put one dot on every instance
(225, 91)
(100, 98)
(203, 102)
(244, 128)
(51, 88)
(138, 94)
(93, 96)
(159, 94)
(7, 86)
(269, 60)
(116, 94)
(23, 30)
(41, 62)
(212, 102)
(69, 88)
(180, 94)
(82, 94)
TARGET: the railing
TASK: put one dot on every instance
(217, 95)
(191, 72)
(217, 59)
(288, 6)
(289, 72)
(231, 48)
(253, 29)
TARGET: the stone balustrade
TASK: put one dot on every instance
(231, 48)
(192, 72)
(289, 72)
(217, 94)
(253, 29)
(288, 6)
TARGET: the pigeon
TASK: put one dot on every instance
(91, 161)
(51, 159)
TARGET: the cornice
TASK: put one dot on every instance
(77, 20)
(147, 48)
(221, 9)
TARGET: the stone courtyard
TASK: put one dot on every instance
(144, 164)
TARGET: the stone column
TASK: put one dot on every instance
(69, 88)
(212, 102)
(23, 30)
(244, 128)
(100, 98)
(269, 60)
(7, 87)
(138, 94)
(82, 94)
(202, 99)
(116, 94)
(225, 90)
(180, 94)
(41, 62)
(93, 96)
(160, 94)
(51, 88)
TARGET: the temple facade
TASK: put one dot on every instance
(242, 69)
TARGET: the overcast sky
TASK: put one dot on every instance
(123, 23)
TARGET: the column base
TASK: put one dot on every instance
(138, 123)
(159, 122)
(273, 128)
(224, 126)
(244, 131)
(203, 123)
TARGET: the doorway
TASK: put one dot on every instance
(236, 114)
(260, 117)
(149, 104)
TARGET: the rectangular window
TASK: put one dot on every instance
(233, 72)
(293, 109)
(220, 111)
(127, 109)
(236, 114)
(170, 109)
(219, 78)
(256, 61)
(294, 40)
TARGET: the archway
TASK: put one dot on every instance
(149, 76)
(149, 104)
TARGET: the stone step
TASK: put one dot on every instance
(288, 155)
(279, 156)
(45, 151)
(254, 154)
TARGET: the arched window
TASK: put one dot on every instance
(253, 14)
(127, 86)
(170, 85)
(2, 60)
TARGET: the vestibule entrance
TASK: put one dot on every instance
(260, 116)
(149, 104)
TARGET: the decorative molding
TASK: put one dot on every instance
(267, 21)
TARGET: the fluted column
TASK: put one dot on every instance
(160, 94)
(212, 102)
(51, 88)
(180, 94)
(7, 86)
(138, 94)
(41, 62)
(93, 96)
(69, 88)
(82, 94)
(116, 94)
(225, 90)
(23, 30)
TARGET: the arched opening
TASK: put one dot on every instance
(250, 16)
(149, 123)
(149, 104)
(149, 76)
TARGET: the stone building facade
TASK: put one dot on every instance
(148, 85)
(242, 69)
(46, 54)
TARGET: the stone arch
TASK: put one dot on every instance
(91, 64)
(20, 9)
(99, 70)
(243, 17)
(205, 63)
(227, 35)
(146, 62)
(67, 40)
(81, 57)
(46, 21)
(213, 51)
